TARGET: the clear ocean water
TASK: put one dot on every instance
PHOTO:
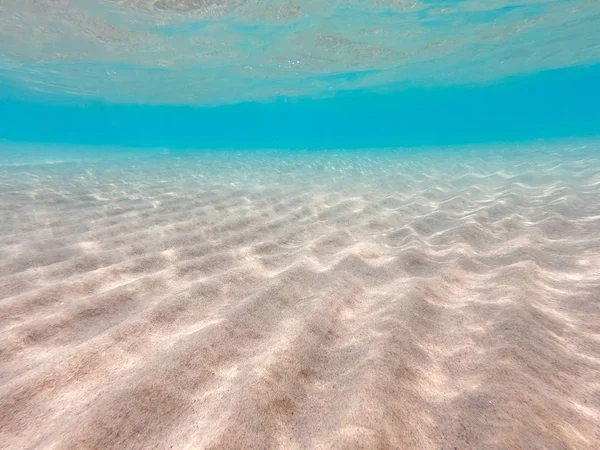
(299, 224)
(305, 75)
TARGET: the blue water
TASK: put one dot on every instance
(242, 74)
(299, 224)
(552, 104)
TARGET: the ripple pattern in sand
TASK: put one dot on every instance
(302, 301)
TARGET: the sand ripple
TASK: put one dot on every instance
(279, 300)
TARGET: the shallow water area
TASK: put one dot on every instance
(297, 224)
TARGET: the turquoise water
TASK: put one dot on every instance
(556, 104)
(250, 74)
(299, 224)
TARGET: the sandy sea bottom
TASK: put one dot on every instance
(443, 299)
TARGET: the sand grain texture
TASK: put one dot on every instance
(296, 300)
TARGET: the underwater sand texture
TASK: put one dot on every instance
(333, 300)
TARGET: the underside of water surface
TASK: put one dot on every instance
(212, 52)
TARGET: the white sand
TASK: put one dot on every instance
(312, 301)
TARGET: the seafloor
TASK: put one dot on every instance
(432, 298)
